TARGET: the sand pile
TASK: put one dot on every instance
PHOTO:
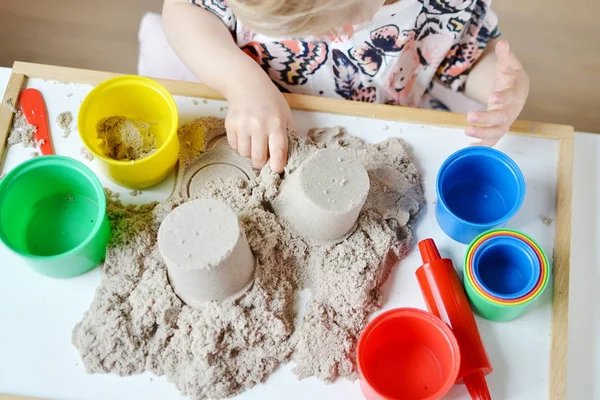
(124, 139)
(21, 132)
(136, 322)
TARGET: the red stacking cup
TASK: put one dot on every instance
(447, 300)
(407, 354)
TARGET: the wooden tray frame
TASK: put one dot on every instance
(564, 134)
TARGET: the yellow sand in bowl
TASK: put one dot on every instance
(125, 139)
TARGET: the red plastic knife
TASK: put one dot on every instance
(34, 109)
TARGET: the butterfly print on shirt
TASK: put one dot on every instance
(371, 55)
(347, 80)
(288, 61)
(417, 56)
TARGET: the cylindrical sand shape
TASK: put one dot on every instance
(206, 252)
(322, 199)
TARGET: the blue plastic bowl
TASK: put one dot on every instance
(478, 189)
(506, 267)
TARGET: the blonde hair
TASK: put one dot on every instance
(296, 17)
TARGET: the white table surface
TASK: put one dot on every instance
(584, 322)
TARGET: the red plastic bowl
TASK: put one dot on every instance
(407, 354)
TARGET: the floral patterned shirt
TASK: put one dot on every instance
(393, 59)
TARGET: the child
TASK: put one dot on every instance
(367, 50)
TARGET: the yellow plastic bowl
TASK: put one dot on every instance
(140, 99)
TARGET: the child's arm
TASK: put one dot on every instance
(258, 113)
(498, 80)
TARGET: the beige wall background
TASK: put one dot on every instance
(558, 42)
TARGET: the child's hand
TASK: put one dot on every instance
(511, 88)
(257, 123)
(258, 113)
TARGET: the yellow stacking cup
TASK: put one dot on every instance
(140, 99)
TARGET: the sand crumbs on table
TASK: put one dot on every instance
(21, 132)
(86, 154)
(9, 103)
(64, 121)
(124, 139)
(136, 323)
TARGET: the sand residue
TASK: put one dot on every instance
(126, 220)
(10, 105)
(86, 154)
(193, 138)
(64, 121)
(124, 139)
(21, 132)
(136, 323)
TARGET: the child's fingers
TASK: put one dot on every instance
(508, 62)
(278, 149)
(489, 118)
(290, 124)
(506, 96)
(259, 150)
(486, 132)
(502, 49)
(244, 144)
(231, 135)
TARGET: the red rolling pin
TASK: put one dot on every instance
(447, 300)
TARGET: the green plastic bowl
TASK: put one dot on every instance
(53, 214)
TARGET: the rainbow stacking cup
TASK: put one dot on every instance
(53, 215)
(505, 271)
(478, 189)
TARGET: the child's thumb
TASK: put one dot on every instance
(502, 50)
(507, 61)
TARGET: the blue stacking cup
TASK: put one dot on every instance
(478, 189)
(506, 267)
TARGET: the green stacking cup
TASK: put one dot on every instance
(53, 214)
(491, 311)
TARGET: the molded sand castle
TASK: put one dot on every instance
(334, 225)
(206, 252)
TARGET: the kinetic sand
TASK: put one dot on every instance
(206, 252)
(64, 121)
(218, 349)
(124, 139)
(21, 132)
